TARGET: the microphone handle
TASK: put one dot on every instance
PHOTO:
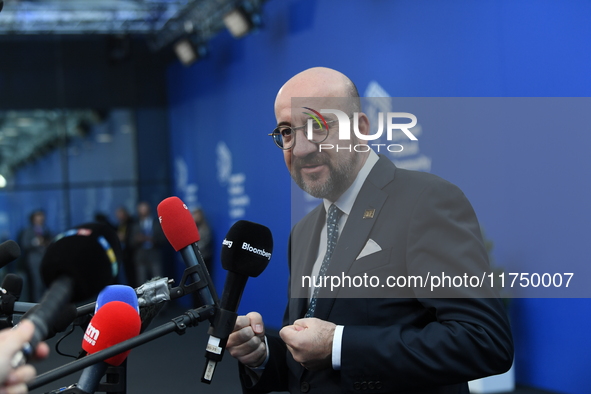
(192, 257)
(56, 298)
(21, 307)
(91, 377)
(225, 317)
(223, 323)
(233, 289)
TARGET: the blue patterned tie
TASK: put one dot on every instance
(332, 236)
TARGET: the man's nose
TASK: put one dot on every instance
(302, 145)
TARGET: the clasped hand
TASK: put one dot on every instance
(309, 340)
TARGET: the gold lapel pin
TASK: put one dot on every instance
(368, 214)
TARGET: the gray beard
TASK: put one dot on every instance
(339, 180)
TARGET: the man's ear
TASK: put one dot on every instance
(363, 124)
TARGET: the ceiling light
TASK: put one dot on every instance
(240, 21)
(188, 51)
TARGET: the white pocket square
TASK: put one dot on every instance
(370, 247)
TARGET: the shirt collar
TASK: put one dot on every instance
(346, 200)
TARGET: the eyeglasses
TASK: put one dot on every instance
(284, 136)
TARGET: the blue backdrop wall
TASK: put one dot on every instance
(529, 189)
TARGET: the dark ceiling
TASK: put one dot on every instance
(162, 21)
(27, 134)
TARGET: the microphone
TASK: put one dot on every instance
(181, 231)
(76, 266)
(121, 293)
(114, 322)
(9, 250)
(70, 312)
(12, 287)
(246, 251)
(149, 297)
(10, 292)
(1, 5)
(60, 322)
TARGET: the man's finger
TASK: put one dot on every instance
(253, 348)
(287, 334)
(239, 337)
(20, 388)
(42, 350)
(241, 322)
(256, 322)
(18, 336)
(23, 374)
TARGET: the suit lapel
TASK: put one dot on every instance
(355, 235)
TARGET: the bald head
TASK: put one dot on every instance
(321, 173)
(315, 82)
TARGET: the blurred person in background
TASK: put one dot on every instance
(147, 240)
(34, 240)
(124, 232)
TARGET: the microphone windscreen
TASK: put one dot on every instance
(177, 223)
(115, 322)
(121, 293)
(9, 251)
(88, 254)
(13, 284)
(247, 248)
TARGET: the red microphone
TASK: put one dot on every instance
(177, 223)
(181, 231)
(114, 322)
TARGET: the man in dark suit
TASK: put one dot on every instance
(147, 241)
(379, 221)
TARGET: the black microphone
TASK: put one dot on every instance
(246, 252)
(9, 250)
(1, 5)
(10, 292)
(182, 233)
(76, 266)
(58, 322)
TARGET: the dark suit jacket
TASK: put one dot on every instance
(402, 343)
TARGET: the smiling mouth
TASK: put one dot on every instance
(311, 168)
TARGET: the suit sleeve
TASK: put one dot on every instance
(463, 338)
(274, 377)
